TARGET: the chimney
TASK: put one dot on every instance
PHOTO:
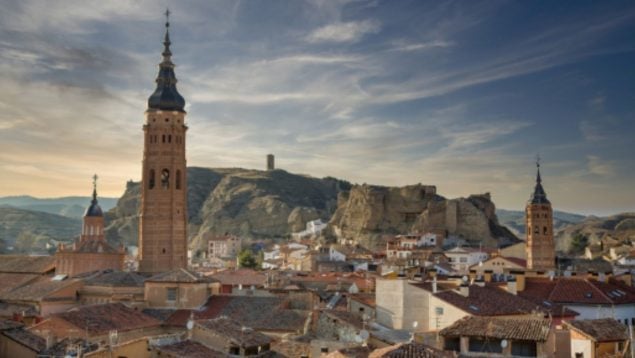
(590, 274)
(472, 275)
(464, 289)
(511, 286)
(602, 277)
(434, 284)
(488, 275)
(519, 277)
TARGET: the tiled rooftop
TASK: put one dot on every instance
(409, 350)
(26, 338)
(180, 275)
(578, 290)
(499, 328)
(26, 264)
(117, 279)
(245, 277)
(488, 301)
(8, 324)
(100, 319)
(236, 333)
(601, 330)
(189, 349)
(37, 290)
(11, 281)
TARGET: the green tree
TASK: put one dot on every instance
(579, 242)
(246, 259)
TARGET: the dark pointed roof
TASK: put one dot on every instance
(165, 96)
(94, 209)
(539, 196)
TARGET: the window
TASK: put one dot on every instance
(463, 259)
(178, 180)
(151, 180)
(544, 230)
(172, 294)
(452, 344)
(163, 138)
(169, 138)
(234, 350)
(537, 230)
(485, 345)
(165, 179)
(524, 349)
(324, 349)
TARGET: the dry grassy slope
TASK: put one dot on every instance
(30, 231)
(620, 227)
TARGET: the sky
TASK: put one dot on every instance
(458, 94)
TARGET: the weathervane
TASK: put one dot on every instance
(538, 160)
(95, 177)
(167, 17)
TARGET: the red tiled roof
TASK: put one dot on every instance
(189, 349)
(499, 328)
(11, 281)
(488, 301)
(245, 277)
(600, 330)
(26, 264)
(180, 275)
(578, 290)
(99, 319)
(235, 332)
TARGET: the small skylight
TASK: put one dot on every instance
(546, 303)
(621, 292)
(59, 277)
(588, 295)
(474, 308)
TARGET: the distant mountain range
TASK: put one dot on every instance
(515, 220)
(69, 206)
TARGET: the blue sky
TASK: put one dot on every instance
(459, 94)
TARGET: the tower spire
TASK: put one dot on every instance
(94, 189)
(538, 179)
(165, 96)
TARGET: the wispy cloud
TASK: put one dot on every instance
(351, 31)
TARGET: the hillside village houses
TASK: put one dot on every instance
(415, 294)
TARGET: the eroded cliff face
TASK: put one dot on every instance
(367, 212)
(249, 203)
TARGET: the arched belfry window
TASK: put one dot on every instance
(151, 179)
(537, 230)
(178, 179)
(165, 179)
(544, 230)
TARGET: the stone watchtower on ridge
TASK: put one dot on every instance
(163, 217)
(541, 250)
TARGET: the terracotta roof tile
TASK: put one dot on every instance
(26, 338)
(235, 332)
(99, 319)
(578, 290)
(488, 301)
(499, 328)
(117, 279)
(189, 349)
(410, 350)
(37, 290)
(11, 281)
(180, 275)
(26, 264)
(601, 330)
(243, 277)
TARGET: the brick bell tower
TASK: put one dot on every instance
(541, 250)
(163, 217)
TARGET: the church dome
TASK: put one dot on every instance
(94, 209)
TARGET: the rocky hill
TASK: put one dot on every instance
(366, 213)
(250, 203)
(30, 231)
(69, 206)
(620, 227)
(515, 220)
